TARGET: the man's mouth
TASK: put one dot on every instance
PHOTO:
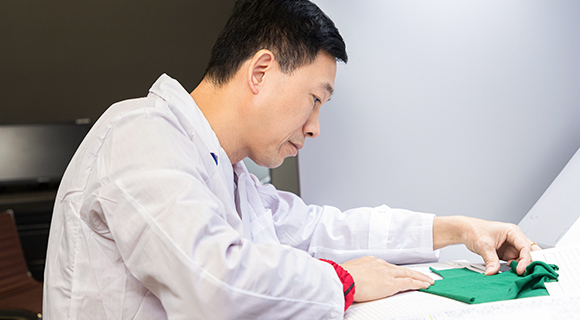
(298, 146)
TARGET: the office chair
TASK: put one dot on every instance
(18, 290)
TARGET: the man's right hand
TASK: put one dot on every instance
(375, 278)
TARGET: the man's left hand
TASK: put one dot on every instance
(491, 240)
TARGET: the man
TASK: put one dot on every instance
(158, 218)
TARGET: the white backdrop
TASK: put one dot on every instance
(450, 107)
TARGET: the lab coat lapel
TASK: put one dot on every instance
(257, 220)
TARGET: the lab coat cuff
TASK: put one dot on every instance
(348, 286)
(427, 239)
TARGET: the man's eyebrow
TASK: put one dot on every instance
(328, 88)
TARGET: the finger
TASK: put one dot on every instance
(415, 275)
(519, 248)
(491, 261)
(520, 241)
(511, 254)
(525, 260)
(524, 245)
(404, 284)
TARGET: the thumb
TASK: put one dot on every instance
(491, 262)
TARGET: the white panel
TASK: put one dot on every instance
(558, 208)
(451, 107)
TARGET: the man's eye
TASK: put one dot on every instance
(316, 101)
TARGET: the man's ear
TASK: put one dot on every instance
(262, 62)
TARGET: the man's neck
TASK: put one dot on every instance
(220, 106)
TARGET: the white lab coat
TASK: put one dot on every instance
(148, 224)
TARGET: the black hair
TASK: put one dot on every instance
(294, 30)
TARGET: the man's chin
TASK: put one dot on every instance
(275, 165)
(272, 163)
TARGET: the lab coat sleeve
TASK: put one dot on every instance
(395, 235)
(155, 203)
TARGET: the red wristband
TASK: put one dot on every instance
(347, 283)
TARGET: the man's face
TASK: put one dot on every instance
(288, 110)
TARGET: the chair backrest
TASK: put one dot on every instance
(18, 290)
(13, 269)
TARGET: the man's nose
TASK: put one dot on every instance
(312, 126)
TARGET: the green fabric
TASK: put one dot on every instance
(473, 287)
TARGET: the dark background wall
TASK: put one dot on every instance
(65, 60)
(62, 60)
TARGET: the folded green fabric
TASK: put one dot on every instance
(473, 287)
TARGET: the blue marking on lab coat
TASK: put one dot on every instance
(214, 157)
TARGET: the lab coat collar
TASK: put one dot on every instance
(181, 102)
